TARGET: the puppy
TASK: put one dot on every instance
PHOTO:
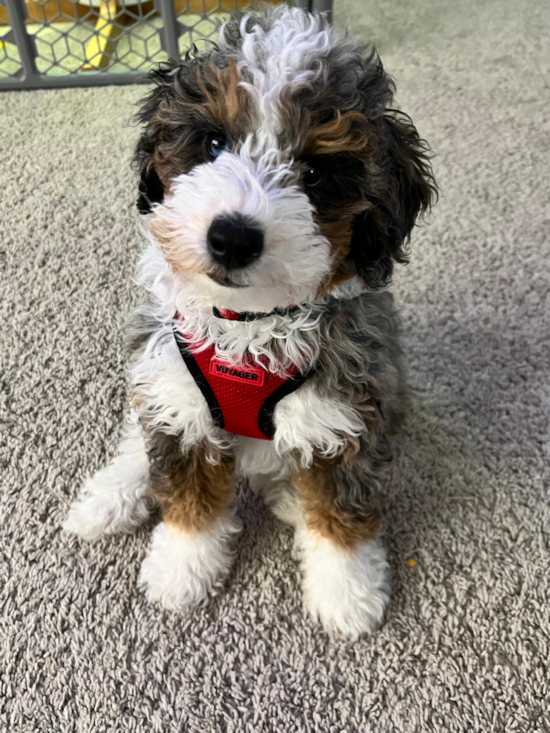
(278, 188)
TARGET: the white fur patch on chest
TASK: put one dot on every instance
(276, 341)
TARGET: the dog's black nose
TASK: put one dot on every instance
(235, 240)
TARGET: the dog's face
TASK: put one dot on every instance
(271, 167)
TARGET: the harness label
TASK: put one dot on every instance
(246, 375)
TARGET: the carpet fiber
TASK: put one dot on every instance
(466, 643)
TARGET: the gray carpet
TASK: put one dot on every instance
(466, 642)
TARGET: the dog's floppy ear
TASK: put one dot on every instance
(151, 190)
(403, 188)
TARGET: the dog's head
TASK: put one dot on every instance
(273, 168)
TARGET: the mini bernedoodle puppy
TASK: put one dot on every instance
(278, 187)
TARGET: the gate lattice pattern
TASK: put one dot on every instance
(61, 43)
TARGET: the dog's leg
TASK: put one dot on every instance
(191, 550)
(283, 500)
(115, 500)
(344, 566)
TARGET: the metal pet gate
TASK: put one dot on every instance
(67, 43)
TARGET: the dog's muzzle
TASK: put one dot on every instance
(235, 240)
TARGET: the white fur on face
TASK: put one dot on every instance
(183, 568)
(296, 258)
(279, 62)
(347, 593)
(115, 500)
(257, 178)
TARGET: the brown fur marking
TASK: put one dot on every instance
(318, 490)
(183, 125)
(182, 260)
(346, 133)
(228, 102)
(339, 234)
(191, 490)
(224, 105)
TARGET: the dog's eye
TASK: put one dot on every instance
(216, 143)
(313, 175)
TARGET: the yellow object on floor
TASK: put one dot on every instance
(101, 46)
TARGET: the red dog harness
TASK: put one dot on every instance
(241, 397)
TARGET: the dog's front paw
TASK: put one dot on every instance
(114, 501)
(183, 568)
(346, 592)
